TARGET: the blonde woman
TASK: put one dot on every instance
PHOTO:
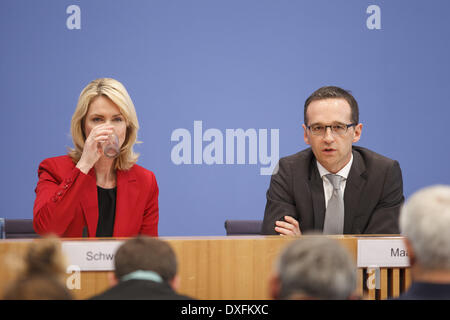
(86, 193)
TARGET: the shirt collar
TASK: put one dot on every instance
(343, 172)
(142, 275)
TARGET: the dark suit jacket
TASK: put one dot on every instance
(140, 290)
(372, 198)
(66, 201)
(426, 291)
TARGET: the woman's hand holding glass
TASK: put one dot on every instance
(93, 146)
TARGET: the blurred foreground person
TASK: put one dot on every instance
(425, 222)
(144, 269)
(43, 277)
(312, 268)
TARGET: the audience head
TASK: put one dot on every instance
(314, 267)
(43, 274)
(45, 257)
(146, 254)
(425, 222)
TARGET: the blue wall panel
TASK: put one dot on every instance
(229, 64)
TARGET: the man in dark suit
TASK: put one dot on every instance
(333, 186)
(425, 223)
(144, 269)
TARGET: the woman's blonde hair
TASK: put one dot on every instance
(117, 93)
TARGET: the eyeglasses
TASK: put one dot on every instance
(338, 128)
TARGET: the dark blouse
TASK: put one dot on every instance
(106, 211)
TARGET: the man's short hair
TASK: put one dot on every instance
(425, 221)
(147, 254)
(316, 267)
(332, 92)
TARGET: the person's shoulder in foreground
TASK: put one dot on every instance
(426, 291)
(141, 290)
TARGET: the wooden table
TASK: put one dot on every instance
(221, 267)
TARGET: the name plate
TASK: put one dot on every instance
(381, 253)
(91, 255)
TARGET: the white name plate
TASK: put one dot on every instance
(390, 252)
(91, 255)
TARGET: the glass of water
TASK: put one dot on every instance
(111, 148)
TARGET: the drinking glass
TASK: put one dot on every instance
(111, 148)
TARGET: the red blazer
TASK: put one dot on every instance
(66, 201)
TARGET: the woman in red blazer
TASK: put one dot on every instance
(86, 193)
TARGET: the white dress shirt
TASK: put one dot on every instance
(327, 186)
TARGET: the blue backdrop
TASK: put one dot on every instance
(230, 64)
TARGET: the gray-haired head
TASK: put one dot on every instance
(316, 267)
(425, 221)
